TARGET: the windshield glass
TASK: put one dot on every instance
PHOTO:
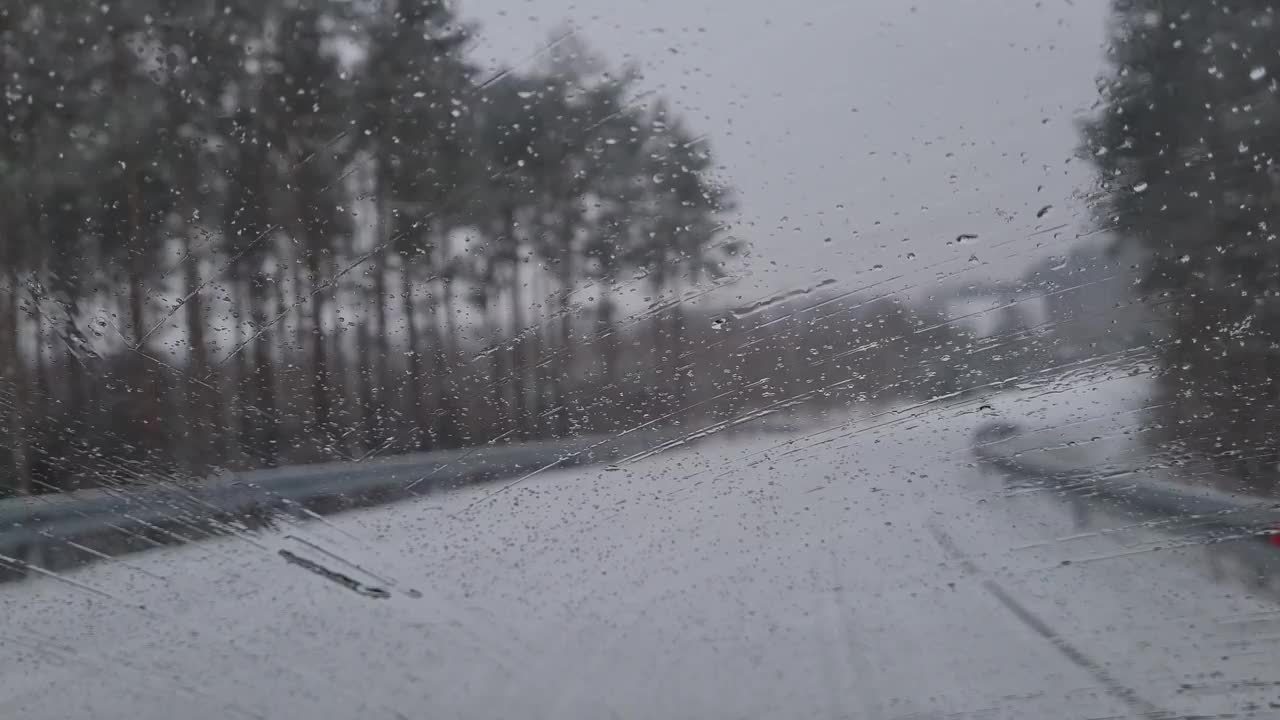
(680, 358)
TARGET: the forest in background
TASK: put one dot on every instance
(244, 231)
(242, 234)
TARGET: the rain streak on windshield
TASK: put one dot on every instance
(690, 359)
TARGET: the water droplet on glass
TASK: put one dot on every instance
(1043, 211)
(911, 256)
(718, 324)
(1140, 187)
(1257, 73)
(658, 179)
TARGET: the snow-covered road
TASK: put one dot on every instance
(869, 570)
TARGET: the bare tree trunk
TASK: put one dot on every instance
(40, 351)
(658, 341)
(321, 411)
(148, 429)
(14, 368)
(237, 424)
(378, 350)
(497, 384)
(364, 388)
(74, 351)
(289, 358)
(267, 436)
(539, 374)
(679, 380)
(447, 364)
(563, 367)
(299, 306)
(202, 405)
(439, 401)
(340, 385)
(419, 409)
(40, 359)
(137, 306)
(608, 334)
(519, 411)
(137, 267)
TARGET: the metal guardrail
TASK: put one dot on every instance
(1201, 510)
(52, 532)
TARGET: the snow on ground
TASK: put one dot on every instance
(1097, 417)
(868, 570)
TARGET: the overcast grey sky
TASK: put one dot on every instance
(861, 133)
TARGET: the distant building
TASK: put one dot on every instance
(992, 309)
(1085, 304)
(1092, 299)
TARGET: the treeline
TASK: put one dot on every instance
(243, 233)
(251, 232)
(1187, 146)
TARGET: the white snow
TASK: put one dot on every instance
(1096, 418)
